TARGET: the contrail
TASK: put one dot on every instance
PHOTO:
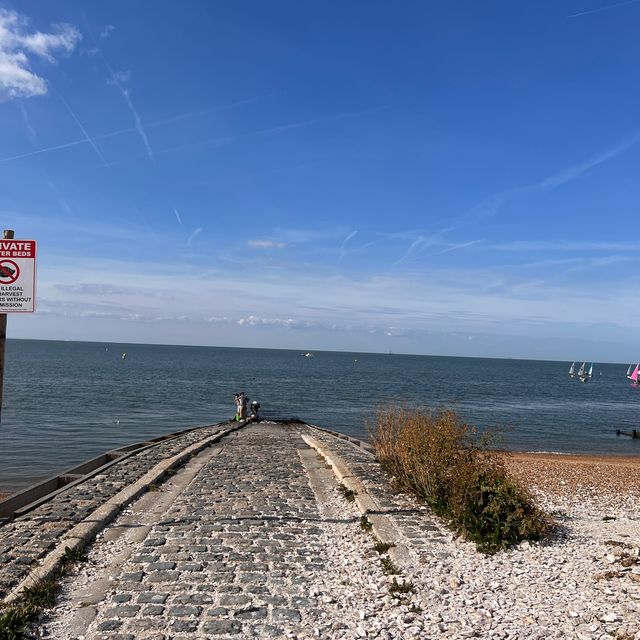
(63, 203)
(177, 215)
(609, 6)
(491, 205)
(194, 235)
(283, 127)
(462, 245)
(571, 173)
(66, 145)
(344, 244)
(111, 134)
(84, 131)
(31, 132)
(204, 112)
(136, 118)
(420, 240)
(125, 93)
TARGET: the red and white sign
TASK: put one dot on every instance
(17, 275)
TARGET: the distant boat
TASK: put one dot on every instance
(634, 376)
(308, 354)
(124, 356)
(583, 374)
(629, 370)
(572, 370)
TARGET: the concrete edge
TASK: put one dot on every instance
(383, 526)
(361, 444)
(82, 534)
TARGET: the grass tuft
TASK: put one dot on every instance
(440, 459)
(73, 556)
(16, 620)
(389, 567)
(348, 494)
(365, 523)
(383, 547)
(14, 624)
(401, 587)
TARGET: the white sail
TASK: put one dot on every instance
(572, 369)
(581, 370)
(629, 370)
(591, 370)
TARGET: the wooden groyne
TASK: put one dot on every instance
(631, 434)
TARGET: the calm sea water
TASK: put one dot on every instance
(66, 402)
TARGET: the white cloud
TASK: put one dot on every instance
(17, 46)
(312, 309)
(289, 323)
(106, 31)
(564, 245)
(266, 244)
(119, 78)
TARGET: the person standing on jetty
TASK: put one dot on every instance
(241, 406)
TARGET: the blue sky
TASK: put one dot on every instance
(456, 178)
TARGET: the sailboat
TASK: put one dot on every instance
(583, 374)
(572, 370)
(634, 376)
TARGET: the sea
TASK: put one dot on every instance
(66, 402)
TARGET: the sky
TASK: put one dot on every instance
(429, 177)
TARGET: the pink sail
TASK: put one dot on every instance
(634, 375)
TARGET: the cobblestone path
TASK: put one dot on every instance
(29, 538)
(234, 554)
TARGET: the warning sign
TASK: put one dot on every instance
(17, 275)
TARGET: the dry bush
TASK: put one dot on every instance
(442, 461)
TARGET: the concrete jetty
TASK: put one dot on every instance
(228, 544)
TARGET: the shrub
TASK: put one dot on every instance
(442, 461)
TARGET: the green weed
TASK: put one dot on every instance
(389, 567)
(383, 547)
(348, 494)
(401, 587)
(365, 523)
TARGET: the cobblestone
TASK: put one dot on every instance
(233, 554)
(28, 538)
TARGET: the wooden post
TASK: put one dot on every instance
(7, 234)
